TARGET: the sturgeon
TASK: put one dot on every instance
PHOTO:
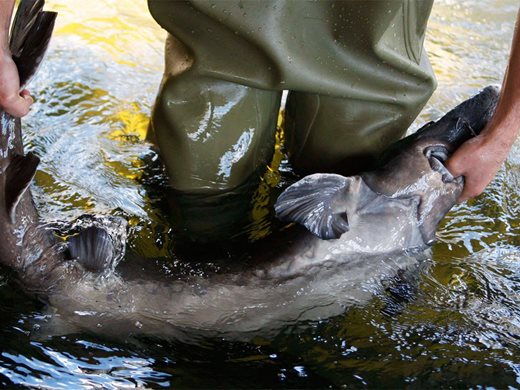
(359, 230)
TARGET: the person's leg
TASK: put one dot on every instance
(215, 138)
(359, 68)
(330, 134)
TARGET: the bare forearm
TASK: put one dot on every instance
(6, 11)
(506, 121)
(479, 159)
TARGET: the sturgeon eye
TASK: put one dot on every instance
(437, 156)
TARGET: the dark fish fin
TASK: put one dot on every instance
(24, 19)
(311, 202)
(19, 173)
(93, 248)
(30, 35)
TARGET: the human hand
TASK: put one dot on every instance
(11, 100)
(478, 160)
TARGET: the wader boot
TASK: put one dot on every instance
(356, 71)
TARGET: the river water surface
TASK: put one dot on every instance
(456, 324)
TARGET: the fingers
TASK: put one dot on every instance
(466, 195)
(477, 168)
(456, 165)
(472, 188)
(11, 100)
(18, 105)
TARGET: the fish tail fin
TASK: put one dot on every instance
(30, 35)
(29, 38)
(24, 19)
(19, 173)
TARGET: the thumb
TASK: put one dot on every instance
(456, 166)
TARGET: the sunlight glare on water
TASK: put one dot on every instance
(457, 323)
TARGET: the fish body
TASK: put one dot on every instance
(359, 231)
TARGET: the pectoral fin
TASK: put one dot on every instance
(93, 248)
(19, 173)
(314, 202)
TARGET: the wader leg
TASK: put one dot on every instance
(329, 134)
(215, 138)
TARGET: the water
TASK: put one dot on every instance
(457, 323)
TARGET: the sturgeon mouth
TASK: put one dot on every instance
(437, 156)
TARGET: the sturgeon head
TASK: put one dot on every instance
(411, 182)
